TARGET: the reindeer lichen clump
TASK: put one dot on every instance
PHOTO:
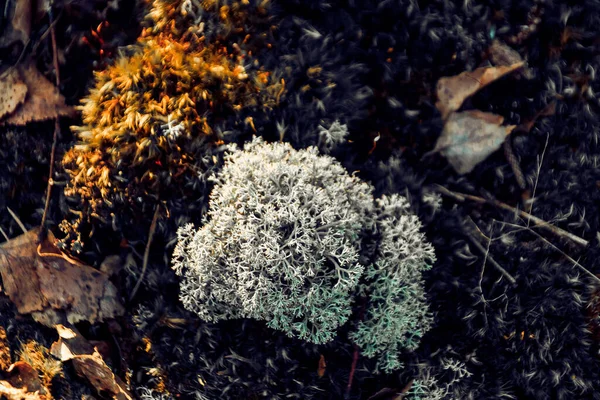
(285, 241)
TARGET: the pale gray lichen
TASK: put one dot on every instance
(280, 243)
(397, 315)
(330, 138)
(284, 241)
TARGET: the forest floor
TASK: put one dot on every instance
(485, 116)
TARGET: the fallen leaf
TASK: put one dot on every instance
(470, 137)
(452, 91)
(43, 282)
(88, 363)
(42, 101)
(12, 92)
(322, 366)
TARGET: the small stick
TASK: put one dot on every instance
(537, 176)
(514, 164)
(17, 220)
(352, 370)
(489, 258)
(356, 353)
(461, 197)
(146, 253)
(4, 234)
(56, 131)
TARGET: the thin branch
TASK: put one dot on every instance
(537, 176)
(146, 252)
(352, 370)
(514, 164)
(56, 131)
(576, 263)
(17, 220)
(4, 234)
(489, 258)
(461, 197)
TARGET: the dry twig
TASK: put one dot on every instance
(543, 239)
(489, 258)
(56, 131)
(461, 197)
(146, 252)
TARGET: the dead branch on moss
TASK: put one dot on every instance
(543, 239)
(461, 197)
(489, 258)
(146, 252)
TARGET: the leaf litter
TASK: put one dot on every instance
(88, 363)
(469, 137)
(452, 91)
(40, 280)
(30, 97)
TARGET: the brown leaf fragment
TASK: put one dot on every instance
(21, 283)
(322, 366)
(42, 102)
(11, 393)
(470, 137)
(5, 359)
(12, 92)
(503, 55)
(22, 375)
(452, 91)
(51, 286)
(88, 363)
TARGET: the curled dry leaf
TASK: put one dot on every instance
(42, 281)
(88, 363)
(452, 91)
(470, 137)
(42, 101)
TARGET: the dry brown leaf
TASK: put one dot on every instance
(452, 91)
(12, 92)
(88, 363)
(42, 102)
(41, 281)
(470, 137)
